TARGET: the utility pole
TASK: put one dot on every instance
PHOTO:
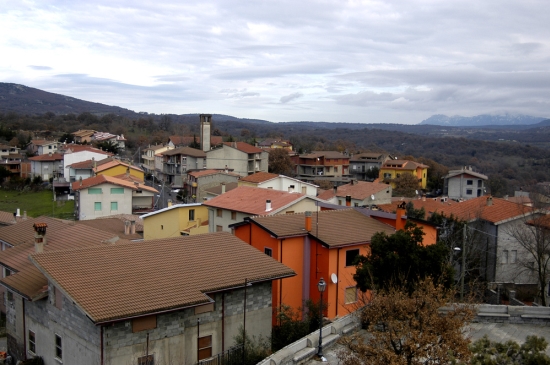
(463, 266)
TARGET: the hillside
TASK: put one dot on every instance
(481, 120)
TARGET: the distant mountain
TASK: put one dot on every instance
(481, 120)
(27, 100)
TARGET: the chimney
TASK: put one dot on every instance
(348, 200)
(18, 214)
(267, 205)
(39, 236)
(399, 213)
(308, 221)
(169, 202)
(423, 198)
(291, 189)
(24, 214)
(335, 189)
(489, 201)
(223, 188)
(126, 227)
(235, 144)
(226, 169)
(80, 180)
(133, 224)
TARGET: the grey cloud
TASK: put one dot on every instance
(277, 71)
(287, 98)
(40, 68)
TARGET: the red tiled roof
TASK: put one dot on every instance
(326, 194)
(48, 157)
(333, 227)
(116, 225)
(73, 147)
(260, 177)
(217, 190)
(244, 147)
(251, 200)
(88, 164)
(172, 273)
(360, 190)
(113, 163)
(103, 179)
(23, 231)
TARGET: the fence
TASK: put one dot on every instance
(233, 356)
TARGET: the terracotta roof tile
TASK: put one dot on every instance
(252, 200)
(104, 179)
(260, 177)
(52, 157)
(29, 281)
(360, 190)
(244, 147)
(112, 163)
(334, 227)
(217, 190)
(186, 151)
(116, 225)
(73, 147)
(172, 273)
(23, 231)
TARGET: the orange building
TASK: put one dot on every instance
(315, 245)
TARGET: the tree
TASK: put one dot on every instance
(195, 144)
(165, 122)
(405, 185)
(279, 162)
(532, 235)
(415, 213)
(108, 146)
(408, 329)
(400, 259)
(486, 352)
(66, 138)
(373, 173)
(255, 349)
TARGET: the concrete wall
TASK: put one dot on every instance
(171, 222)
(234, 159)
(80, 337)
(87, 207)
(283, 183)
(70, 158)
(14, 326)
(457, 187)
(209, 181)
(45, 169)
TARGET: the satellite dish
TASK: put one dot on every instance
(334, 278)
(372, 197)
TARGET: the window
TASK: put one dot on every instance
(58, 347)
(504, 259)
(191, 214)
(144, 323)
(351, 294)
(219, 229)
(387, 175)
(205, 347)
(117, 190)
(468, 191)
(350, 256)
(146, 360)
(233, 216)
(95, 191)
(219, 212)
(114, 205)
(335, 168)
(7, 272)
(10, 296)
(32, 342)
(97, 206)
(469, 182)
(339, 202)
(513, 256)
(479, 183)
(268, 252)
(355, 204)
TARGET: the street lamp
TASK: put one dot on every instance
(321, 285)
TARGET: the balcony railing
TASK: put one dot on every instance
(233, 356)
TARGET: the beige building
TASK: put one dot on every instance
(240, 157)
(175, 220)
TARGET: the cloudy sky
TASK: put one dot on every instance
(334, 61)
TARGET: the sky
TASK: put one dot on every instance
(278, 60)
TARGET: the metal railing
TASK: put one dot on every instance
(233, 356)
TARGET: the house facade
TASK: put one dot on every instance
(103, 195)
(178, 161)
(362, 163)
(332, 166)
(187, 313)
(74, 153)
(315, 246)
(240, 157)
(392, 169)
(47, 166)
(148, 157)
(175, 220)
(236, 205)
(267, 180)
(43, 147)
(198, 182)
(464, 184)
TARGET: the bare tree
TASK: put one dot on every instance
(409, 329)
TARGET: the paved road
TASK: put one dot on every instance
(500, 332)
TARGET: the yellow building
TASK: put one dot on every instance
(116, 168)
(392, 169)
(176, 220)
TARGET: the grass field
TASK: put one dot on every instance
(36, 204)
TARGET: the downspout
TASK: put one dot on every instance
(337, 277)
(281, 280)
(24, 331)
(223, 321)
